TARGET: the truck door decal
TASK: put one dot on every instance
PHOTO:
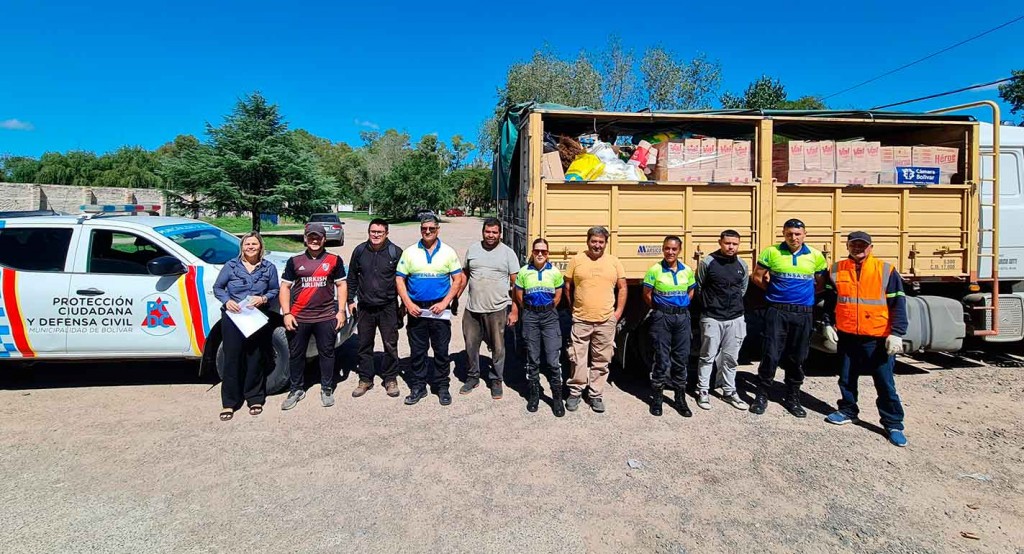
(12, 326)
(195, 308)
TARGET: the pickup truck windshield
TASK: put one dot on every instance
(211, 244)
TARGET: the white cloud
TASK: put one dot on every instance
(364, 123)
(16, 125)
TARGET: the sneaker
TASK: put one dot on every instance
(327, 397)
(293, 399)
(415, 396)
(735, 401)
(362, 388)
(703, 402)
(470, 384)
(496, 390)
(444, 397)
(572, 403)
(839, 418)
(391, 387)
(597, 405)
(897, 437)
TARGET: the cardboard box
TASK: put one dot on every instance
(683, 175)
(857, 177)
(872, 157)
(844, 156)
(732, 176)
(828, 155)
(888, 158)
(860, 153)
(887, 177)
(812, 155)
(947, 159)
(724, 160)
(670, 153)
(692, 153)
(809, 176)
(551, 167)
(708, 153)
(796, 154)
(903, 156)
(741, 154)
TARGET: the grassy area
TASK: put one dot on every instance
(244, 224)
(286, 245)
(364, 216)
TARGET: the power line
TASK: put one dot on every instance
(929, 56)
(930, 96)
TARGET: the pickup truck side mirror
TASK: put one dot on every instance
(165, 265)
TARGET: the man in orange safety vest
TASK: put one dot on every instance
(866, 304)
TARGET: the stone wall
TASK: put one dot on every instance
(15, 197)
(68, 199)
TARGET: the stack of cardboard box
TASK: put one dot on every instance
(703, 160)
(826, 161)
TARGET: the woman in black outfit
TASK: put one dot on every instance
(251, 279)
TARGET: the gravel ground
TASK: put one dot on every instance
(131, 456)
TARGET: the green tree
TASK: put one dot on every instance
(472, 187)
(1012, 92)
(252, 164)
(77, 168)
(416, 181)
(128, 166)
(671, 83)
(188, 168)
(459, 152)
(767, 93)
(19, 169)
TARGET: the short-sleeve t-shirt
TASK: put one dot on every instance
(671, 285)
(428, 273)
(313, 285)
(539, 285)
(488, 272)
(791, 274)
(593, 284)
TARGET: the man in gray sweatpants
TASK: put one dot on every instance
(722, 279)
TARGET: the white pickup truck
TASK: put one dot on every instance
(116, 284)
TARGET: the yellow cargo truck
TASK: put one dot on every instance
(930, 232)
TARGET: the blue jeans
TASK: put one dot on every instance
(861, 355)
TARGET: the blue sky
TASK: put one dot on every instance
(98, 77)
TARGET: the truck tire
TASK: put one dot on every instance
(277, 377)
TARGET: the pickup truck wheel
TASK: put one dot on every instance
(277, 377)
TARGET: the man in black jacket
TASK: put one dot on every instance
(722, 279)
(371, 281)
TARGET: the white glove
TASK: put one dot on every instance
(831, 335)
(893, 345)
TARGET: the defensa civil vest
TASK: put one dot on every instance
(861, 307)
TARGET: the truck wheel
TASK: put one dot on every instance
(277, 377)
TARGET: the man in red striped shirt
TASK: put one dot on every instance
(313, 292)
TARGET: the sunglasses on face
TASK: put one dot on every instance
(535, 251)
(427, 229)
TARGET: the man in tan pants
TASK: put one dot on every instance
(592, 279)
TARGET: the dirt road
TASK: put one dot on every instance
(131, 457)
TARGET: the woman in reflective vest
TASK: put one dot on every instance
(866, 304)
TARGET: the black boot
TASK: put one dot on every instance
(792, 402)
(657, 398)
(533, 397)
(684, 410)
(557, 406)
(760, 403)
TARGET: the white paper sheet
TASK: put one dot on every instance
(427, 314)
(249, 320)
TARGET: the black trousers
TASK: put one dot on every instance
(324, 333)
(369, 319)
(543, 336)
(423, 334)
(787, 335)
(243, 376)
(670, 335)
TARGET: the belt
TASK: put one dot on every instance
(426, 303)
(792, 307)
(544, 308)
(672, 310)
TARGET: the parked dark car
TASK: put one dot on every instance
(334, 226)
(423, 212)
(454, 212)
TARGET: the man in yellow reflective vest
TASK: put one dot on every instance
(865, 298)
